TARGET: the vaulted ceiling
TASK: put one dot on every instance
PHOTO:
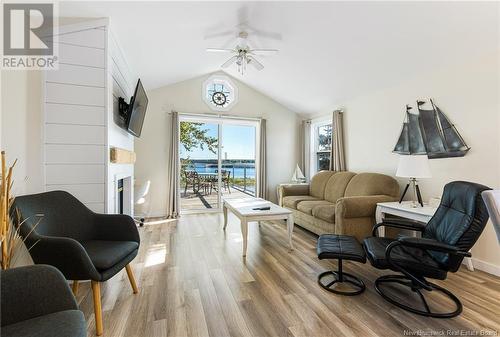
(329, 51)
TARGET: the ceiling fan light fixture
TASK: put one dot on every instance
(243, 54)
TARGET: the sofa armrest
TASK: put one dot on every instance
(116, 227)
(359, 206)
(287, 190)
(291, 189)
(33, 291)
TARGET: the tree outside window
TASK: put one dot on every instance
(192, 136)
(323, 146)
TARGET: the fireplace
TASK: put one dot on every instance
(119, 198)
(123, 195)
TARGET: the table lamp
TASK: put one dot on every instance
(413, 167)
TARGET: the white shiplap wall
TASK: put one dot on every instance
(80, 108)
(121, 84)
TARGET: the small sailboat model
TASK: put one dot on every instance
(429, 132)
(298, 176)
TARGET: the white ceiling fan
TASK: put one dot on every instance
(243, 54)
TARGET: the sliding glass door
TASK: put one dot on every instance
(199, 156)
(238, 159)
(218, 160)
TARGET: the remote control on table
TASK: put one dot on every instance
(266, 208)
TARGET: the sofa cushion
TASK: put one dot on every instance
(292, 200)
(68, 323)
(318, 184)
(105, 254)
(307, 206)
(372, 184)
(336, 185)
(325, 212)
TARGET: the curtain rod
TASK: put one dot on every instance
(324, 117)
(213, 115)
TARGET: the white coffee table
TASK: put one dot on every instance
(243, 208)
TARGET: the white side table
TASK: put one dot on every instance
(407, 211)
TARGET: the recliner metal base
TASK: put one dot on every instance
(401, 279)
(341, 277)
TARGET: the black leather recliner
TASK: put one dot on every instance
(61, 231)
(446, 240)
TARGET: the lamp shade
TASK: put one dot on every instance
(413, 167)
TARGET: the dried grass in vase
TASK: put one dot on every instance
(10, 240)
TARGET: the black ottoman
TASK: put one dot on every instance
(340, 247)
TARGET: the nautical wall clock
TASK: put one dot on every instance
(219, 93)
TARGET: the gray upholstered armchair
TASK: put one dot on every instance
(36, 301)
(83, 245)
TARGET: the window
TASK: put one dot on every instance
(322, 146)
(220, 93)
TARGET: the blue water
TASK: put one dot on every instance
(237, 170)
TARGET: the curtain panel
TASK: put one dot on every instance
(173, 194)
(262, 173)
(337, 155)
(305, 147)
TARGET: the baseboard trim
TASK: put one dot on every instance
(487, 267)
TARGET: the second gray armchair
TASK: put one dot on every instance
(36, 301)
(82, 244)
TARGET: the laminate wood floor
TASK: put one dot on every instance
(193, 281)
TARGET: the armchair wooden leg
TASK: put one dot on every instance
(96, 291)
(75, 287)
(131, 279)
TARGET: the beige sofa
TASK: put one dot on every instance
(339, 202)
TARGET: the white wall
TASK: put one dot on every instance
(185, 97)
(21, 132)
(21, 124)
(1, 109)
(96, 61)
(468, 94)
(75, 109)
(121, 83)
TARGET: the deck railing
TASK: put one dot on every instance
(242, 172)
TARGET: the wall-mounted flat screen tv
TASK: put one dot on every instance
(137, 110)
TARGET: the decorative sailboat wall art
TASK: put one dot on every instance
(429, 132)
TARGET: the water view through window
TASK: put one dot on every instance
(202, 182)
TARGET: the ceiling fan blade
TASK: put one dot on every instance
(264, 51)
(220, 50)
(244, 25)
(256, 64)
(219, 34)
(229, 62)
